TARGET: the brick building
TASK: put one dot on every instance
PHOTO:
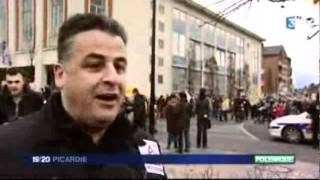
(277, 71)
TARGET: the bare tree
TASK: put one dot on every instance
(213, 69)
(247, 77)
(231, 77)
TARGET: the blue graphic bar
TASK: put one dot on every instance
(138, 160)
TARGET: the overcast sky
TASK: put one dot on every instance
(268, 20)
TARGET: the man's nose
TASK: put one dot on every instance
(110, 74)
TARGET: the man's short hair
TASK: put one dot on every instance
(13, 71)
(183, 95)
(85, 22)
(135, 90)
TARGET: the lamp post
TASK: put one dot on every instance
(317, 1)
(152, 74)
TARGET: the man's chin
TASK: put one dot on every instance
(97, 124)
(104, 121)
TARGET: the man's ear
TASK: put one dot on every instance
(59, 75)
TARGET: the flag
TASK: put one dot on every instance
(291, 22)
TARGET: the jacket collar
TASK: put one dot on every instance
(66, 129)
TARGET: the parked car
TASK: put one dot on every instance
(292, 128)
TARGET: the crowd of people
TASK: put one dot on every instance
(208, 108)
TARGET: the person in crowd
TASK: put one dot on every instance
(313, 110)
(139, 109)
(214, 108)
(246, 105)
(239, 109)
(185, 111)
(172, 115)
(305, 105)
(225, 109)
(19, 100)
(160, 105)
(202, 110)
(279, 110)
(84, 117)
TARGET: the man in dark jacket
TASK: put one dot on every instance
(185, 112)
(84, 117)
(172, 115)
(202, 111)
(139, 109)
(20, 99)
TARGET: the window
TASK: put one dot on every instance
(161, 9)
(3, 21)
(221, 58)
(160, 79)
(179, 81)
(198, 51)
(195, 28)
(221, 34)
(98, 6)
(195, 48)
(230, 63)
(160, 43)
(208, 52)
(160, 61)
(179, 33)
(209, 34)
(56, 17)
(26, 25)
(179, 41)
(161, 26)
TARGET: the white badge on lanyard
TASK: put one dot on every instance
(151, 148)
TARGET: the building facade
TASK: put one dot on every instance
(277, 74)
(205, 50)
(194, 47)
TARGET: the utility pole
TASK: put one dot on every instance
(152, 74)
(317, 1)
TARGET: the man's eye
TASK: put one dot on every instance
(120, 68)
(94, 66)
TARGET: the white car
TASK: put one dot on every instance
(292, 128)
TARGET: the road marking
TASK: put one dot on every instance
(248, 133)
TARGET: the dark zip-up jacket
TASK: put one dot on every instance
(52, 131)
(30, 102)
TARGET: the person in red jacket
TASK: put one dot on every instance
(279, 110)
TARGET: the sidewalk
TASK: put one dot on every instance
(300, 170)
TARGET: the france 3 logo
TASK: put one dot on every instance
(41, 159)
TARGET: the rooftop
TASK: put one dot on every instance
(218, 18)
(272, 50)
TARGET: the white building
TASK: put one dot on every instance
(187, 39)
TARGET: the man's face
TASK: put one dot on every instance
(92, 80)
(15, 84)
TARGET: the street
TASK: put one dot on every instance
(246, 138)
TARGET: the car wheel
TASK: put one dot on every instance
(292, 134)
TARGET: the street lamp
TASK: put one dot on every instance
(152, 74)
